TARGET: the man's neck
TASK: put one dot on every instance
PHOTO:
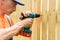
(1, 13)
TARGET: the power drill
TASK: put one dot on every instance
(26, 31)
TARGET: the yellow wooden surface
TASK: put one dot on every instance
(36, 24)
(46, 27)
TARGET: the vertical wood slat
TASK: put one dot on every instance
(44, 20)
(36, 25)
(34, 28)
(38, 20)
(47, 18)
(58, 21)
(41, 19)
(52, 20)
(58, 5)
(56, 28)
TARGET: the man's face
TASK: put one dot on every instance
(8, 6)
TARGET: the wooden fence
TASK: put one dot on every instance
(47, 27)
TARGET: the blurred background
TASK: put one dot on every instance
(46, 27)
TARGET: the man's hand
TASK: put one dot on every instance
(25, 13)
(26, 22)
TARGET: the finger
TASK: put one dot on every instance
(31, 19)
(24, 14)
(28, 12)
(21, 17)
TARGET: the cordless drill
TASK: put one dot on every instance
(26, 31)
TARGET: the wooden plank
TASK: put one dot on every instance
(44, 20)
(36, 24)
(58, 20)
(56, 28)
(52, 25)
(34, 27)
(38, 20)
(58, 31)
(41, 19)
(59, 5)
(52, 20)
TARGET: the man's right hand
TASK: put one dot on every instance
(26, 22)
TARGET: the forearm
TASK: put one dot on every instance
(9, 32)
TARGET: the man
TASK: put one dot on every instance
(7, 27)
